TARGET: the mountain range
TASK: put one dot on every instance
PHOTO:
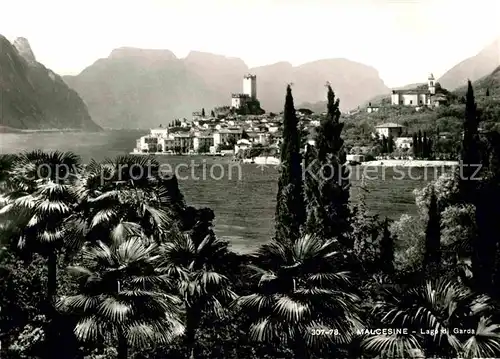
(141, 88)
(34, 97)
(137, 88)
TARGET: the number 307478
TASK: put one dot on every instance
(325, 332)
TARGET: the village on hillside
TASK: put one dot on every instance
(242, 129)
(404, 126)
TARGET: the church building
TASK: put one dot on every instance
(420, 96)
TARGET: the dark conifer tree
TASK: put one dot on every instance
(487, 92)
(387, 249)
(479, 196)
(290, 207)
(429, 148)
(202, 112)
(327, 179)
(365, 233)
(432, 255)
(415, 145)
(212, 114)
(385, 147)
(470, 157)
(419, 144)
(425, 151)
(390, 144)
(490, 204)
(486, 258)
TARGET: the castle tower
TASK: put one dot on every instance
(250, 85)
(432, 84)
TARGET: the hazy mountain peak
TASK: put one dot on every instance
(473, 68)
(22, 46)
(152, 54)
(200, 56)
(280, 64)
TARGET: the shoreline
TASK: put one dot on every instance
(409, 163)
(11, 130)
(178, 154)
(376, 163)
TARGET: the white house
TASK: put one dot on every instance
(148, 143)
(389, 129)
(371, 108)
(223, 135)
(242, 145)
(403, 142)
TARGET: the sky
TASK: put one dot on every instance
(404, 40)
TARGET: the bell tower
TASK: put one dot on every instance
(431, 82)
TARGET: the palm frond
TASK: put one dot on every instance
(485, 342)
(393, 346)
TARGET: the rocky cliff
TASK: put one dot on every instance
(34, 97)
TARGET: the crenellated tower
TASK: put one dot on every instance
(250, 86)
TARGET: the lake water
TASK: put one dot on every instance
(244, 198)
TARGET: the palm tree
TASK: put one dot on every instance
(125, 194)
(7, 162)
(443, 318)
(123, 297)
(200, 266)
(38, 203)
(302, 299)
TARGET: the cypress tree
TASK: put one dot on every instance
(491, 205)
(387, 249)
(425, 152)
(419, 144)
(429, 148)
(385, 148)
(432, 255)
(485, 266)
(390, 143)
(327, 179)
(290, 207)
(470, 158)
(203, 112)
(365, 233)
(212, 114)
(415, 145)
(487, 92)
